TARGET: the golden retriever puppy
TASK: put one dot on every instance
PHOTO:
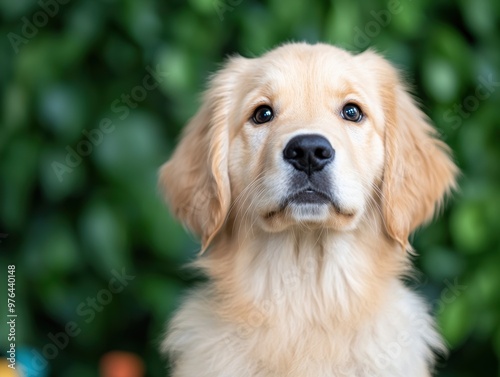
(304, 172)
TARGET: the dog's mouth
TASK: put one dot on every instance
(308, 197)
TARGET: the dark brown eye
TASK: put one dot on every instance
(262, 114)
(352, 113)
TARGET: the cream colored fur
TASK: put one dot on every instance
(292, 292)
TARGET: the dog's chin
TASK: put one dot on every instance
(316, 213)
(308, 207)
(311, 209)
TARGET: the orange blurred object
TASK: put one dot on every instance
(5, 370)
(121, 364)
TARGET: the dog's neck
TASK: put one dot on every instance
(318, 274)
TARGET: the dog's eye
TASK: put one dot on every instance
(352, 113)
(262, 114)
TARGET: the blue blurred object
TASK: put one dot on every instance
(32, 363)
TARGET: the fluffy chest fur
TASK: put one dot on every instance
(303, 306)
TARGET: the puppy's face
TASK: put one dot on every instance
(306, 145)
(307, 135)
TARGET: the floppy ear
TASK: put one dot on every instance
(418, 168)
(195, 180)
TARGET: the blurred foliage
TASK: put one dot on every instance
(68, 75)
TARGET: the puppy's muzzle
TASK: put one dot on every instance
(309, 153)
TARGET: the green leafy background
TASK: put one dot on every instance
(67, 236)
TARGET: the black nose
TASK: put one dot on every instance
(309, 153)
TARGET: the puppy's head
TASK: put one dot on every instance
(307, 135)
